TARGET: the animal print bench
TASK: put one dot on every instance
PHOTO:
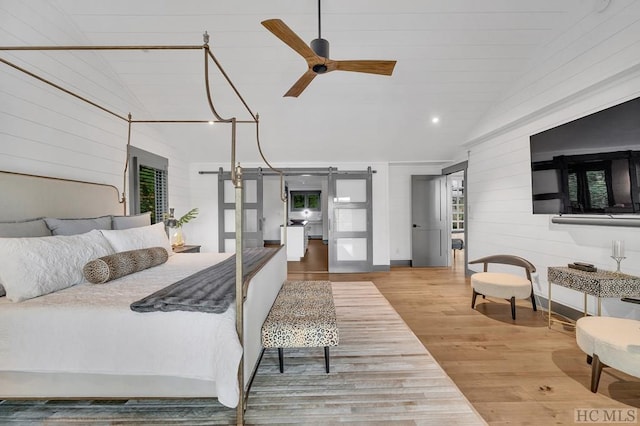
(303, 315)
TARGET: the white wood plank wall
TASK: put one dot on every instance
(588, 69)
(47, 132)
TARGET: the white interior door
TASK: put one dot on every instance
(430, 233)
(350, 222)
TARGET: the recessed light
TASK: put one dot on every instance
(210, 123)
(435, 120)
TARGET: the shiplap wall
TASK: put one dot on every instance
(47, 132)
(588, 69)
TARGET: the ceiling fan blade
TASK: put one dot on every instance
(368, 66)
(291, 39)
(301, 84)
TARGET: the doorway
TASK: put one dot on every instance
(439, 208)
(457, 189)
(303, 205)
(344, 216)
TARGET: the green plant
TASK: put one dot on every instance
(188, 216)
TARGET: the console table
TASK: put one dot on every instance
(599, 284)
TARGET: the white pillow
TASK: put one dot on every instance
(126, 222)
(138, 238)
(31, 267)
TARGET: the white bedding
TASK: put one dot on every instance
(89, 328)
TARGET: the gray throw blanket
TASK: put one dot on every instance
(209, 290)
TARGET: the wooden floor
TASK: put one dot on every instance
(512, 372)
(316, 259)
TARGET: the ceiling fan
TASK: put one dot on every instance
(317, 56)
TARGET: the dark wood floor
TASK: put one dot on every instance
(316, 259)
(512, 372)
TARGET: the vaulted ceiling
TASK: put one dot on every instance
(455, 60)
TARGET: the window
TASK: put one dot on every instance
(148, 184)
(153, 188)
(457, 205)
(305, 200)
(590, 186)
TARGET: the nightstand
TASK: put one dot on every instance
(186, 249)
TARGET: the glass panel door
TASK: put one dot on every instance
(252, 219)
(350, 223)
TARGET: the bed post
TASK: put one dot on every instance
(239, 292)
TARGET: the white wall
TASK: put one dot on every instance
(273, 210)
(400, 206)
(588, 69)
(44, 131)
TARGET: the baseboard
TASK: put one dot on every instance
(560, 309)
(400, 263)
(272, 242)
(381, 268)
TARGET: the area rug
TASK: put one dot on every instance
(380, 374)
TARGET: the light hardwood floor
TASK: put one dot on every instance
(512, 372)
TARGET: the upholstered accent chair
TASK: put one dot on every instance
(609, 342)
(503, 285)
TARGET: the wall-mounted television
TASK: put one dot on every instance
(590, 165)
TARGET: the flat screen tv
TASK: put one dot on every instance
(590, 165)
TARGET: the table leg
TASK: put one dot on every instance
(549, 303)
(585, 305)
(599, 307)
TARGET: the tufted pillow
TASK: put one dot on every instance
(118, 265)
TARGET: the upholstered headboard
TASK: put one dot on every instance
(29, 196)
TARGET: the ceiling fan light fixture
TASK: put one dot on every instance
(319, 68)
(316, 54)
(321, 47)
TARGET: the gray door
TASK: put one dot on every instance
(350, 222)
(430, 229)
(252, 219)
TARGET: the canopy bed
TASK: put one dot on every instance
(84, 340)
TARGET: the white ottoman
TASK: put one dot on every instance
(609, 342)
(502, 285)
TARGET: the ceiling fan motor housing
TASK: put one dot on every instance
(321, 47)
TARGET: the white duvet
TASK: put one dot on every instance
(89, 328)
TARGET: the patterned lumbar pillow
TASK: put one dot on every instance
(118, 265)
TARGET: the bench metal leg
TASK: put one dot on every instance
(473, 299)
(326, 359)
(281, 359)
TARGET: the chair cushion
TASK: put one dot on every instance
(498, 284)
(616, 341)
